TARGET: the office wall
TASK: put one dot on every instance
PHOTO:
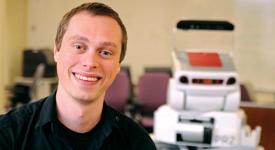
(150, 24)
(2, 46)
(16, 37)
(255, 45)
(13, 37)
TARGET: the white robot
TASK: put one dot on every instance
(202, 110)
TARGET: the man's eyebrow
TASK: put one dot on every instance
(79, 37)
(82, 38)
(108, 44)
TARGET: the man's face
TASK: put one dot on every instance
(88, 59)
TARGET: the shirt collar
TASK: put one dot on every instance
(48, 111)
(110, 119)
(48, 114)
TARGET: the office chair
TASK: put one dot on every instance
(163, 69)
(152, 92)
(22, 93)
(245, 96)
(118, 93)
(127, 69)
(38, 75)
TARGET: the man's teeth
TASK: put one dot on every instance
(80, 77)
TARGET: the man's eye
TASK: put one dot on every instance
(105, 53)
(79, 47)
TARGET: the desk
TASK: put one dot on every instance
(264, 116)
(45, 86)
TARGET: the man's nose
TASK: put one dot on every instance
(90, 59)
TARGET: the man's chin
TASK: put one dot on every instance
(86, 99)
(87, 96)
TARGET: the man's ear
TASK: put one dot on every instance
(55, 53)
(118, 70)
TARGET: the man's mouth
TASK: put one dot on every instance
(86, 78)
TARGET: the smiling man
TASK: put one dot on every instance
(89, 47)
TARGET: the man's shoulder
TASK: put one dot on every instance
(124, 122)
(131, 128)
(136, 136)
(18, 116)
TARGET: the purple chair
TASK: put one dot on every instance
(118, 93)
(245, 96)
(152, 92)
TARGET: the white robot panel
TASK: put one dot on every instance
(213, 87)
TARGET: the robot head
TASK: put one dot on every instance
(204, 81)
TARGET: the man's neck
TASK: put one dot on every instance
(77, 116)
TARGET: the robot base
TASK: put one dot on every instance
(203, 129)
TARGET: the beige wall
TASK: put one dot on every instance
(13, 31)
(2, 46)
(255, 43)
(16, 36)
(150, 23)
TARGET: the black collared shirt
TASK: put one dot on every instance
(35, 127)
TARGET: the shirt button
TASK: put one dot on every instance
(117, 118)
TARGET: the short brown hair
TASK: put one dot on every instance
(95, 9)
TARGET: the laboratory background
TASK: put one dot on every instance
(28, 27)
